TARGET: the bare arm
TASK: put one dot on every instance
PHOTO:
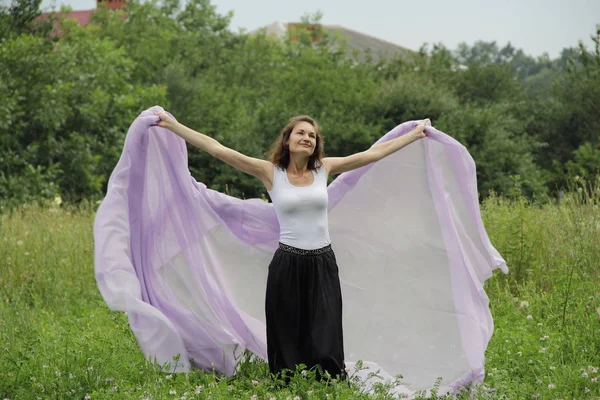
(337, 165)
(253, 166)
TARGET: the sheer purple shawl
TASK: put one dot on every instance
(188, 264)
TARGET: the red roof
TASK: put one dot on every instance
(82, 17)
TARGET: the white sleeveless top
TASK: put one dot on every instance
(301, 210)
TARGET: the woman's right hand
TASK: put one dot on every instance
(420, 128)
(165, 120)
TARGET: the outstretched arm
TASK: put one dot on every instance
(252, 166)
(337, 165)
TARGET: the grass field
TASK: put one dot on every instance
(59, 340)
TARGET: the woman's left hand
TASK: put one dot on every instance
(165, 120)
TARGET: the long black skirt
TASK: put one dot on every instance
(304, 312)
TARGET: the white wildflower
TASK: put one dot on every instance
(530, 317)
(524, 304)
(173, 392)
(169, 377)
(551, 386)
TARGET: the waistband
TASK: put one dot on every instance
(302, 252)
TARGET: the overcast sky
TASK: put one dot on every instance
(536, 26)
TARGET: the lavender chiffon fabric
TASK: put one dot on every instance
(189, 265)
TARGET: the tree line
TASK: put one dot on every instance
(69, 93)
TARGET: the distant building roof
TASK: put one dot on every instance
(83, 16)
(355, 41)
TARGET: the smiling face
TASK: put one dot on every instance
(303, 139)
(300, 137)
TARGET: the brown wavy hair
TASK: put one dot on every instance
(279, 154)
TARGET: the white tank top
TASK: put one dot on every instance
(301, 210)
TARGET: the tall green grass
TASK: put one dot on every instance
(59, 340)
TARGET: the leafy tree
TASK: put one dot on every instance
(69, 104)
(22, 16)
(569, 122)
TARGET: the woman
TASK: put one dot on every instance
(303, 296)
